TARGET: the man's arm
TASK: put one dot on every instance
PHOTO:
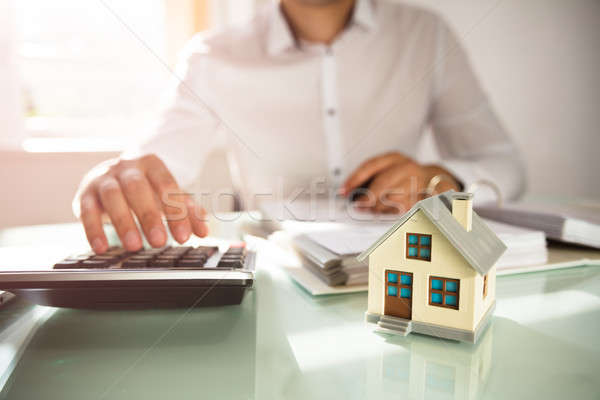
(472, 143)
(471, 140)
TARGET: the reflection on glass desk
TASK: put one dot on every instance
(283, 343)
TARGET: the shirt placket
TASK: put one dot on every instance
(331, 117)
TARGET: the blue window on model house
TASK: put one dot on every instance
(418, 246)
(398, 284)
(443, 292)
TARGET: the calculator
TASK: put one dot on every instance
(172, 276)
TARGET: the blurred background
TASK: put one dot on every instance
(81, 80)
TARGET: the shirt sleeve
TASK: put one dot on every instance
(472, 143)
(187, 130)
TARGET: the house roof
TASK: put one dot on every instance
(480, 247)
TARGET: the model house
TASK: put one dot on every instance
(433, 271)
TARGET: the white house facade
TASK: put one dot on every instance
(424, 276)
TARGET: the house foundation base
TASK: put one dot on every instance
(444, 331)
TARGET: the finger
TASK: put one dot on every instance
(197, 216)
(140, 197)
(387, 180)
(91, 218)
(114, 204)
(383, 182)
(395, 204)
(398, 200)
(369, 168)
(401, 180)
(172, 200)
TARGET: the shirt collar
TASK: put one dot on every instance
(364, 15)
(280, 37)
(279, 34)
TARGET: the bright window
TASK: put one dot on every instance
(443, 292)
(451, 286)
(450, 300)
(85, 74)
(93, 74)
(418, 246)
(398, 287)
(485, 284)
(392, 277)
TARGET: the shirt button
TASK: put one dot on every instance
(328, 51)
(337, 172)
(331, 112)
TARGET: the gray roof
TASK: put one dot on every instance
(480, 247)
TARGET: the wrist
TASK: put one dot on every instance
(449, 181)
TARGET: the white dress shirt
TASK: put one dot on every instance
(290, 112)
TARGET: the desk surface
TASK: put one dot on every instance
(283, 343)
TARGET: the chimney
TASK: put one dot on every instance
(462, 209)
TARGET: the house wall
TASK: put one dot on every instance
(446, 262)
(482, 306)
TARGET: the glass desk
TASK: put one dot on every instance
(281, 343)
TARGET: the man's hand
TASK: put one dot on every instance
(143, 187)
(396, 183)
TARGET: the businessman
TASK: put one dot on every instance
(334, 89)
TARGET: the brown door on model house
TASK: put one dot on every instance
(398, 294)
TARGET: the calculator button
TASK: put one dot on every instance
(109, 259)
(116, 252)
(141, 257)
(168, 257)
(95, 264)
(162, 263)
(208, 250)
(65, 264)
(191, 263)
(134, 263)
(194, 257)
(230, 264)
(149, 252)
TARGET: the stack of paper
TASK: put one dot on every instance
(577, 223)
(523, 246)
(331, 254)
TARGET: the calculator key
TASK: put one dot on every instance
(65, 264)
(235, 250)
(230, 255)
(230, 264)
(134, 263)
(116, 252)
(149, 252)
(189, 256)
(208, 250)
(168, 254)
(95, 264)
(141, 257)
(162, 263)
(191, 263)
(168, 257)
(108, 259)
